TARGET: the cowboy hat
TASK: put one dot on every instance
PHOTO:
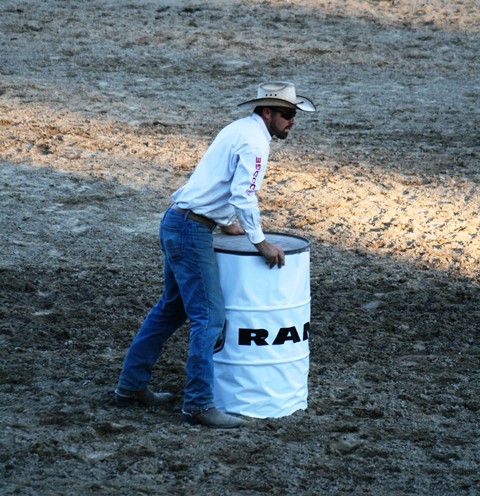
(279, 94)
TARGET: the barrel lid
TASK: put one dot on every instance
(241, 245)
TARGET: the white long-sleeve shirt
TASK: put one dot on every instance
(226, 179)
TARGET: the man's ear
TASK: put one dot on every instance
(267, 113)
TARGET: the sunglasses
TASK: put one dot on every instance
(287, 114)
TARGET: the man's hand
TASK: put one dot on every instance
(233, 229)
(273, 254)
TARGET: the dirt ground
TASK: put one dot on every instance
(105, 108)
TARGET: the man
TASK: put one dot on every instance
(224, 184)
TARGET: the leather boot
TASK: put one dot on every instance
(145, 397)
(214, 418)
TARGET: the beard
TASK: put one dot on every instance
(280, 133)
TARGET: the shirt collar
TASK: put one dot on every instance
(262, 125)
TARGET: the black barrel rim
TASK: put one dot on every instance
(291, 251)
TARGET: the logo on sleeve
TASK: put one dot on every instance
(253, 184)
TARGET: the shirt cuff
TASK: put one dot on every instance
(255, 236)
(250, 221)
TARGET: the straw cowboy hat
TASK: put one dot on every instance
(279, 94)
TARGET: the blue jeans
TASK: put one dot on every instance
(191, 290)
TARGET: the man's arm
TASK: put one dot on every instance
(233, 229)
(247, 180)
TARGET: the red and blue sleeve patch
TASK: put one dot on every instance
(253, 183)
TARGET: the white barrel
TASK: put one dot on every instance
(261, 364)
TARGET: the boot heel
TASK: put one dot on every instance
(124, 401)
(190, 419)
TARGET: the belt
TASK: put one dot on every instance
(211, 224)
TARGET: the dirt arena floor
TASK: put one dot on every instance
(105, 108)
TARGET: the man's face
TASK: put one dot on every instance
(281, 121)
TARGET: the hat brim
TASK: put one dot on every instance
(302, 103)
